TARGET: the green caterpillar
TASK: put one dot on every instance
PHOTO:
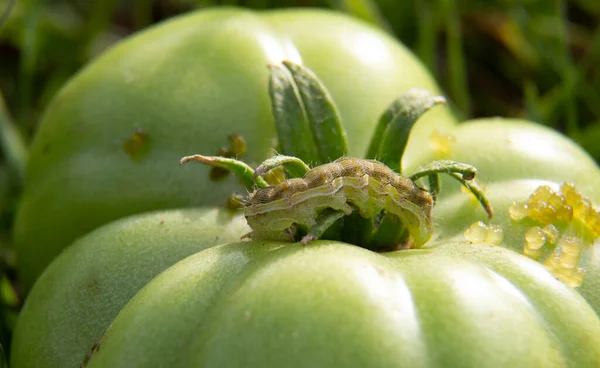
(347, 184)
(314, 199)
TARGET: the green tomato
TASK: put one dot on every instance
(109, 143)
(514, 158)
(81, 292)
(269, 304)
(552, 322)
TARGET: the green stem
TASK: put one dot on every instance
(294, 167)
(393, 129)
(239, 168)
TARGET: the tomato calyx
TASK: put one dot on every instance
(307, 121)
(366, 202)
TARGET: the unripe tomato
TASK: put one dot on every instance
(326, 304)
(109, 143)
(82, 291)
(515, 158)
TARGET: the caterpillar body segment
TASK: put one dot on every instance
(346, 185)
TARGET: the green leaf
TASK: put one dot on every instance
(321, 113)
(394, 126)
(13, 144)
(294, 134)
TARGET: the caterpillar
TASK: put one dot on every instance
(346, 185)
(314, 199)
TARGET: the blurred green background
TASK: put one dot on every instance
(535, 59)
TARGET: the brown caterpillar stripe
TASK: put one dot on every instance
(367, 185)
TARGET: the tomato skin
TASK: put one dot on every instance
(81, 292)
(183, 87)
(435, 265)
(513, 158)
(437, 299)
(331, 304)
